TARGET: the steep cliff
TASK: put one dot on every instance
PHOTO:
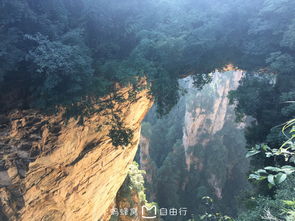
(210, 129)
(213, 141)
(201, 148)
(55, 170)
(131, 198)
(207, 112)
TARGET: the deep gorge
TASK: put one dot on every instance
(204, 158)
(184, 108)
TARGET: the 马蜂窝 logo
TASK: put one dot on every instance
(149, 212)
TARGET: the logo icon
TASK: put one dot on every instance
(149, 212)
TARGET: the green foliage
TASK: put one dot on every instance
(132, 192)
(267, 100)
(252, 98)
(63, 69)
(120, 136)
(63, 50)
(279, 207)
(170, 176)
(210, 214)
(289, 209)
(48, 47)
(281, 62)
(210, 159)
(137, 181)
(134, 183)
(278, 174)
(163, 132)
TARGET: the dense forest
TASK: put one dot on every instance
(70, 53)
(197, 150)
(62, 51)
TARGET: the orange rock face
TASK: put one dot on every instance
(60, 171)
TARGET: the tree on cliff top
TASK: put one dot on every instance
(55, 52)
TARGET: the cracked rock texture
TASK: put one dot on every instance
(53, 170)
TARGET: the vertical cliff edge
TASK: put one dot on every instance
(202, 149)
(57, 170)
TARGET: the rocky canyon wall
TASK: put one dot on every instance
(213, 141)
(207, 111)
(55, 170)
(198, 149)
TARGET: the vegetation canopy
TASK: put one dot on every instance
(57, 52)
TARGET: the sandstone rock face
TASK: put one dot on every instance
(205, 156)
(127, 207)
(210, 114)
(60, 171)
(130, 202)
(207, 123)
